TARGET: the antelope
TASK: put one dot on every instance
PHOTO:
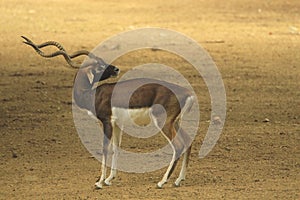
(108, 110)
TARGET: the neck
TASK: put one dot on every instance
(83, 93)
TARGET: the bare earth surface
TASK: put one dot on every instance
(255, 45)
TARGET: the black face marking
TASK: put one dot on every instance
(104, 71)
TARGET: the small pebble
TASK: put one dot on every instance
(14, 155)
(266, 120)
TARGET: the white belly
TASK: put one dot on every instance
(140, 117)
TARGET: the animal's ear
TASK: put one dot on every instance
(90, 75)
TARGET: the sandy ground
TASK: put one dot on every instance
(255, 45)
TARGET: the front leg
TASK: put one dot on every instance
(107, 128)
(99, 183)
(116, 143)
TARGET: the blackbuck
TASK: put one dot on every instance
(149, 92)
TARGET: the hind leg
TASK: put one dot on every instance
(177, 146)
(188, 146)
(182, 173)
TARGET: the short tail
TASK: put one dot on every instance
(189, 102)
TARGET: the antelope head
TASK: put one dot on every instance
(93, 70)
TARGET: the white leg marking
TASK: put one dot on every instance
(99, 184)
(182, 171)
(165, 177)
(117, 134)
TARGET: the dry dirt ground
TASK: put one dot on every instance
(255, 45)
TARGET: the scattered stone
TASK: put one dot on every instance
(227, 149)
(215, 41)
(66, 102)
(16, 74)
(41, 82)
(217, 120)
(155, 49)
(293, 30)
(266, 120)
(31, 11)
(14, 154)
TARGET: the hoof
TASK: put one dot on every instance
(159, 185)
(98, 185)
(107, 183)
(176, 184)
